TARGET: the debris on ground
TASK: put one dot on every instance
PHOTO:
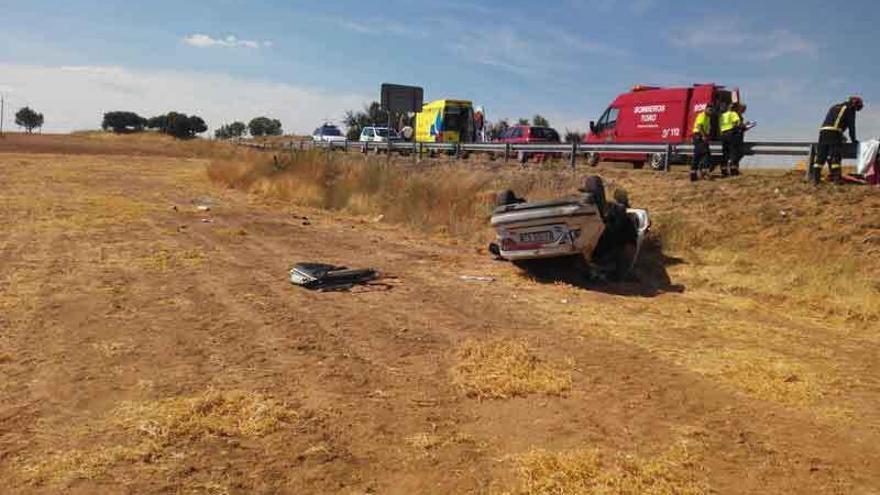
(203, 208)
(321, 276)
(476, 278)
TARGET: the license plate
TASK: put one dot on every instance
(533, 237)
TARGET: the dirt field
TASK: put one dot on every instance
(150, 347)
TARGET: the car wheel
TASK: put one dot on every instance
(592, 159)
(507, 197)
(595, 186)
(638, 165)
(657, 161)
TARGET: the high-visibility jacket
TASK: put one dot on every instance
(730, 120)
(841, 117)
(702, 124)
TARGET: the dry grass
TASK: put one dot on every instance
(503, 369)
(163, 259)
(588, 471)
(446, 198)
(155, 431)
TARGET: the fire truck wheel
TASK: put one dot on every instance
(656, 160)
(638, 165)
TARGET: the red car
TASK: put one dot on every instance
(529, 134)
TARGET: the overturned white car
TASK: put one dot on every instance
(607, 235)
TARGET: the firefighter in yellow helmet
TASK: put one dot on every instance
(702, 135)
(840, 118)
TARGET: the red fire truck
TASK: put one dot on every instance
(654, 115)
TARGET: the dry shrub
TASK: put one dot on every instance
(587, 471)
(214, 413)
(449, 198)
(162, 428)
(765, 375)
(502, 369)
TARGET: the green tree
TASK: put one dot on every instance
(497, 129)
(522, 122)
(229, 131)
(159, 122)
(539, 121)
(120, 122)
(29, 119)
(237, 129)
(179, 125)
(574, 136)
(264, 126)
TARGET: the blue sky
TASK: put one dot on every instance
(304, 61)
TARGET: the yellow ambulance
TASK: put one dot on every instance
(446, 121)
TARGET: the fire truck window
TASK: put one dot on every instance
(517, 132)
(612, 118)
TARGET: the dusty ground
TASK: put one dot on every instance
(143, 350)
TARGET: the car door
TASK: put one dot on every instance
(607, 125)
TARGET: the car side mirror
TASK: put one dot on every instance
(593, 128)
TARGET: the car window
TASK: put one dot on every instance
(612, 118)
(316, 132)
(609, 119)
(383, 132)
(552, 135)
(331, 131)
(368, 132)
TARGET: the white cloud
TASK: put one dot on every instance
(379, 26)
(729, 40)
(89, 91)
(199, 40)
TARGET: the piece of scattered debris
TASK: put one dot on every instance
(476, 278)
(203, 208)
(306, 223)
(379, 218)
(207, 220)
(173, 208)
(324, 277)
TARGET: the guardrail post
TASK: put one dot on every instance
(811, 157)
(574, 150)
(666, 156)
(506, 152)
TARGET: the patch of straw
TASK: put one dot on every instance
(502, 369)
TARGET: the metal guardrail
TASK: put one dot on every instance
(666, 152)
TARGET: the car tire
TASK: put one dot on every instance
(596, 186)
(657, 161)
(507, 197)
(638, 165)
(593, 159)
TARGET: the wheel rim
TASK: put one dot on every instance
(657, 161)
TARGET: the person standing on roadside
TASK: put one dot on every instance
(732, 139)
(702, 135)
(840, 118)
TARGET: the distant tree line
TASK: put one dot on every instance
(257, 127)
(177, 124)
